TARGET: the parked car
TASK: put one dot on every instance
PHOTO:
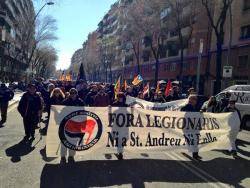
(238, 88)
(242, 103)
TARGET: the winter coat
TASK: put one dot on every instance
(158, 100)
(56, 100)
(101, 100)
(71, 102)
(30, 105)
(89, 99)
(189, 108)
(6, 95)
(119, 104)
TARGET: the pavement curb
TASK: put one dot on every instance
(13, 103)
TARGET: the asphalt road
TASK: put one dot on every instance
(23, 166)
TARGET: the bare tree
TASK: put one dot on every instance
(131, 35)
(146, 17)
(33, 33)
(217, 22)
(182, 16)
(45, 61)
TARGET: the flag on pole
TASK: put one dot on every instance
(81, 74)
(125, 86)
(168, 88)
(117, 87)
(62, 77)
(68, 77)
(146, 90)
(137, 80)
(158, 87)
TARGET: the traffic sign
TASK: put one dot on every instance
(227, 71)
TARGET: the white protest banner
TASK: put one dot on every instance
(139, 103)
(103, 130)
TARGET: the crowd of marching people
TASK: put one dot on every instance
(40, 96)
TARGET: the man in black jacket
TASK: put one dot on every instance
(191, 107)
(5, 96)
(29, 107)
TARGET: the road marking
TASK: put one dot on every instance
(12, 107)
(197, 171)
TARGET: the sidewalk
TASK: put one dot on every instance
(16, 98)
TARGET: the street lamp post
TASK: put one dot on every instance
(33, 23)
(199, 66)
(2, 46)
(40, 10)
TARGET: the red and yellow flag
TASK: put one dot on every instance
(68, 77)
(158, 87)
(137, 80)
(117, 87)
(168, 88)
(146, 90)
(125, 86)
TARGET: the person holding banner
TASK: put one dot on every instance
(210, 106)
(57, 97)
(120, 102)
(73, 100)
(158, 98)
(191, 107)
(233, 135)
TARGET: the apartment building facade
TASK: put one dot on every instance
(12, 67)
(236, 49)
(169, 63)
(118, 59)
(76, 61)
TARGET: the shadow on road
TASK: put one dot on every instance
(136, 172)
(44, 157)
(18, 150)
(244, 144)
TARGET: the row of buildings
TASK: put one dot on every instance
(106, 55)
(12, 66)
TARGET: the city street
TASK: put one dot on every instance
(24, 166)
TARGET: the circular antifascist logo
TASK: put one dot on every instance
(80, 130)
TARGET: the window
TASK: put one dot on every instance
(146, 56)
(246, 5)
(186, 66)
(245, 32)
(147, 41)
(167, 67)
(173, 50)
(173, 67)
(163, 51)
(243, 61)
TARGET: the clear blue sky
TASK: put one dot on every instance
(75, 20)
